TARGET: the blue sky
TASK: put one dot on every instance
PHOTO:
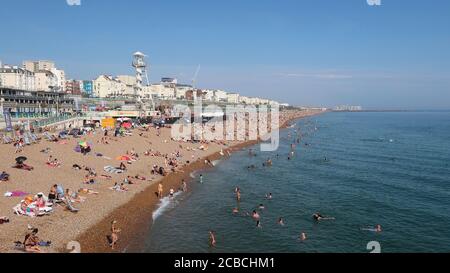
(315, 52)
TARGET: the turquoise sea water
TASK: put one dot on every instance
(390, 169)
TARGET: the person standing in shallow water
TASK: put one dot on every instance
(114, 234)
(160, 190)
(238, 196)
(184, 185)
(212, 239)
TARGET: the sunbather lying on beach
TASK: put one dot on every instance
(140, 177)
(46, 151)
(89, 180)
(118, 187)
(54, 163)
(77, 167)
(129, 181)
(4, 220)
(74, 197)
(87, 191)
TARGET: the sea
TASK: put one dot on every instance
(363, 169)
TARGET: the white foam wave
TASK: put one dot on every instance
(165, 204)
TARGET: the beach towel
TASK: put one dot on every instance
(77, 149)
(23, 167)
(16, 194)
(112, 170)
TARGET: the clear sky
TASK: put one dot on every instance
(305, 52)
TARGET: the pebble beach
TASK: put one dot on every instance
(132, 209)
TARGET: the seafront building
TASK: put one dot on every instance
(39, 90)
(47, 77)
(17, 77)
(25, 103)
(74, 87)
(107, 86)
(87, 88)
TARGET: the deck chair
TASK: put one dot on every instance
(35, 137)
(48, 136)
(26, 139)
(7, 140)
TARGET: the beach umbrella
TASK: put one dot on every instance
(126, 125)
(21, 159)
(83, 144)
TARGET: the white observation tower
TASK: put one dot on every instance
(141, 71)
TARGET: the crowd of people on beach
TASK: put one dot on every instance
(40, 204)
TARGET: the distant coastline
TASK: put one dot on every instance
(391, 111)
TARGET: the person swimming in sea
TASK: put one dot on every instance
(261, 207)
(201, 179)
(255, 215)
(376, 229)
(258, 224)
(268, 163)
(303, 236)
(281, 221)
(269, 196)
(235, 210)
(319, 217)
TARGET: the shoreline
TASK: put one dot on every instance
(135, 217)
